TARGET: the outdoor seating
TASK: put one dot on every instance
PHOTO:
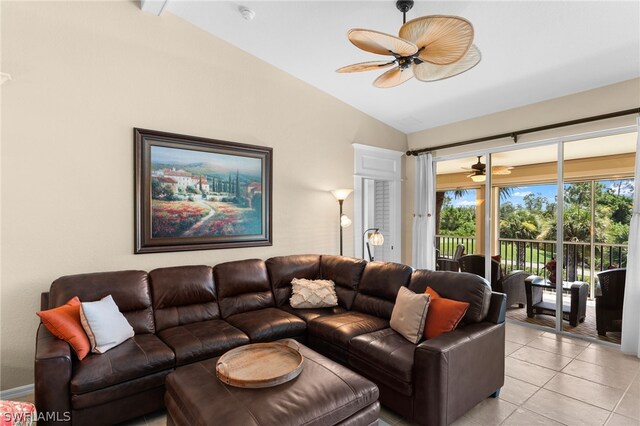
(512, 284)
(513, 287)
(474, 264)
(459, 252)
(609, 302)
(444, 264)
(575, 312)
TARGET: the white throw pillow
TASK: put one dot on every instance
(409, 314)
(309, 294)
(104, 324)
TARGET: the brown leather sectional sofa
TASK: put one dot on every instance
(186, 314)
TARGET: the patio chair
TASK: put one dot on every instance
(609, 303)
(459, 252)
(444, 264)
(474, 264)
(513, 287)
(512, 284)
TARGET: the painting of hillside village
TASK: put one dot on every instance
(204, 194)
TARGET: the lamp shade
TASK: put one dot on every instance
(341, 194)
(376, 239)
(345, 222)
(478, 178)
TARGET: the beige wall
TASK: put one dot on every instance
(85, 74)
(616, 97)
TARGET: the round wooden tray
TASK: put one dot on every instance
(260, 365)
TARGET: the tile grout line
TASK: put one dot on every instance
(622, 397)
(558, 393)
(589, 380)
(575, 399)
(532, 395)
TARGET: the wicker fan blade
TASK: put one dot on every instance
(430, 72)
(443, 39)
(365, 66)
(393, 77)
(501, 170)
(381, 43)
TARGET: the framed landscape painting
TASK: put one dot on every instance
(196, 194)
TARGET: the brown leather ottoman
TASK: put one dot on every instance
(325, 393)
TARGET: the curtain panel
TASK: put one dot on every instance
(631, 310)
(423, 238)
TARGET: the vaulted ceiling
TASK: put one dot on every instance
(531, 51)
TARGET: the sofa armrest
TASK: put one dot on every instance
(44, 301)
(53, 366)
(455, 371)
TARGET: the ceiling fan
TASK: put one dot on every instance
(429, 48)
(478, 171)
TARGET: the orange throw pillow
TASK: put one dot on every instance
(443, 314)
(64, 323)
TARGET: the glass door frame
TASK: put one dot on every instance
(559, 142)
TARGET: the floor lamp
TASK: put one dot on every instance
(376, 239)
(345, 222)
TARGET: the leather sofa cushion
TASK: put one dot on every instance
(200, 340)
(386, 356)
(340, 329)
(346, 273)
(129, 289)
(123, 390)
(460, 286)
(183, 295)
(137, 357)
(283, 269)
(242, 286)
(269, 324)
(379, 287)
(310, 314)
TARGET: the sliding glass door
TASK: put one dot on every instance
(598, 192)
(524, 215)
(555, 213)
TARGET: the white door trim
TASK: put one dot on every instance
(371, 162)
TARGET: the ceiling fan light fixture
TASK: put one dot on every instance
(479, 178)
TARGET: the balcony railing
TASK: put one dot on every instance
(532, 255)
(447, 244)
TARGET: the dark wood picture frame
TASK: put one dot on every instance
(194, 193)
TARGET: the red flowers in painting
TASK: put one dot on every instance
(172, 218)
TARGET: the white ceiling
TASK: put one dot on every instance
(532, 51)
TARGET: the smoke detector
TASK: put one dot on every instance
(246, 13)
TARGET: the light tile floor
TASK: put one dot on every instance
(550, 380)
(555, 380)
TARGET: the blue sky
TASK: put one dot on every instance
(219, 162)
(547, 191)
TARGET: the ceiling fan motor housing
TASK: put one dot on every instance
(404, 5)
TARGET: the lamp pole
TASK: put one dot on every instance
(341, 195)
(340, 225)
(363, 238)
